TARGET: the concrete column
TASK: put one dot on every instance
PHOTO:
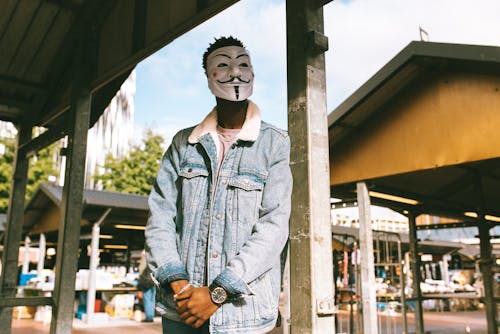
(368, 293)
(26, 255)
(311, 272)
(94, 257)
(485, 264)
(415, 270)
(41, 255)
(13, 232)
(94, 261)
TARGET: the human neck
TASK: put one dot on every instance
(230, 114)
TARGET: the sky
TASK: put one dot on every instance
(364, 35)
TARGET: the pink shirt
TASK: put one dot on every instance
(227, 137)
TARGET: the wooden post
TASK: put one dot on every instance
(415, 270)
(14, 228)
(368, 295)
(311, 272)
(485, 264)
(72, 199)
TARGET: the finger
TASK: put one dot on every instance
(184, 294)
(190, 320)
(198, 323)
(185, 315)
(181, 306)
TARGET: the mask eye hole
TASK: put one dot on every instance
(244, 65)
(222, 65)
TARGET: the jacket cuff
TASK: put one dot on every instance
(170, 272)
(232, 283)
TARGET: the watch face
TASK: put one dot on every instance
(219, 295)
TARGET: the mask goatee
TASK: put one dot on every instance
(237, 92)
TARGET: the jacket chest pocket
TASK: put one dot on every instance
(194, 183)
(246, 189)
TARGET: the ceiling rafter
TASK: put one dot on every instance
(32, 87)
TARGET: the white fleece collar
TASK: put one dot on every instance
(249, 131)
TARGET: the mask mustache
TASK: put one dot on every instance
(234, 79)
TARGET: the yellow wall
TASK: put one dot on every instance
(443, 120)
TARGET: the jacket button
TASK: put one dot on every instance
(218, 216)
(215, 255)
(190, 170)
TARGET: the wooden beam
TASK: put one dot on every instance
(485, 265)
(26, 301)
(13, 232)
(415, 271)
(22, 84)
(72, 196)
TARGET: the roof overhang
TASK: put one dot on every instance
(40, 40)
(425, 128)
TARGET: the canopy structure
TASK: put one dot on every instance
(124, 215)
(61, 63)
(422, 133)
(40, 38)
(424, 128)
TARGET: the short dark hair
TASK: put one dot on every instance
(220, 43)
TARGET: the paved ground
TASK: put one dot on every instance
(28, 326)
(435, 323)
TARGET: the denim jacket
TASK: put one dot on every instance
(245, 212)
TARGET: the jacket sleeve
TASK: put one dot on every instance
(161, 230)
(262, 250)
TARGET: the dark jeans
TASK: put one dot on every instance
(174, 327)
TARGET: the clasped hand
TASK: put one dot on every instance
(195, 306)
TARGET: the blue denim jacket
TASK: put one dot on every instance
(246, 211)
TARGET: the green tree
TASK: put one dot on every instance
(41, 167)
(7, 146)
(135, 173)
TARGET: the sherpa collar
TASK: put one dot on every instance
(249, 131)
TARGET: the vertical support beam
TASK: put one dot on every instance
(94, 261)
(72, 199)
(368, 296)
(41, 255)
(485, 264)
(26, 255)
(94, 256)
(415, 271)
(445, 271)
(311, 285)
(285, 316)
(14, 228)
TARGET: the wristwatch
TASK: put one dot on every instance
(217, 294)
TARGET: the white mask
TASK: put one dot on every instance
(230, 73)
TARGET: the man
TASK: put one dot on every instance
(147, 288)
(219, 210)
